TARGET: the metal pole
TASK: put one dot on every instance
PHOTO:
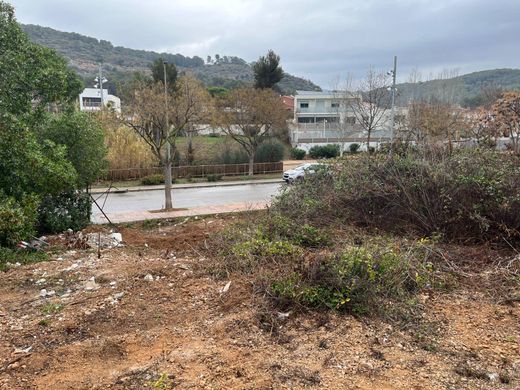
(392, 119)
(101, 86)
(168, 145)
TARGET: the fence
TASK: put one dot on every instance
(194, 171)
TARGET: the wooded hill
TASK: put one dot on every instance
(467, 89)
(85, 53)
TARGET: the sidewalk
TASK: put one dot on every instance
(188, 185)
(136, 216)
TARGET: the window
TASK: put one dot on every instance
(91, 102)
(350, 120)
(305, 120)
(304, 105)
(334, 105)
(327, 119)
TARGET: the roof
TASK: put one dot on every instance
(323, 94)
(93, 92)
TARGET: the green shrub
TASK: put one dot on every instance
(277, 226)
(271, 150)
(213, 178)
(298, 154)
(152, 180)
(325, 151)
(9, 257)
(354, 148)
(359, 280)
(245, 256)
(68, 210)
(17, 219)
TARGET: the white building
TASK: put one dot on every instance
(322, 118)
(90, 100)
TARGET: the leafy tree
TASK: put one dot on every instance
(31, 76)
(250, 116)
(217, 91)
(83, 136)
(158, 73)
(268, 71)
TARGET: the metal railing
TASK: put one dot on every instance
(193, 171)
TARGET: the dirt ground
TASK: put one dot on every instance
(153, 318)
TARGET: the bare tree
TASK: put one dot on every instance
(505, 116)
(157, 125)
(249, 116)
(370, 111)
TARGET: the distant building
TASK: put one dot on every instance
(326, 118)
(288, 104)
(90, 100)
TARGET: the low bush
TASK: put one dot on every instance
(10, 257)
(324, 151)
(68, 210)
(471, 194)
(271, 150)
(354, 148)
(17, 219)
(276, 226)
(213, 178)
(152, 180)
(358, 280)
(298, 154)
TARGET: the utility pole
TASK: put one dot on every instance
(392, 119)
(168, 176)
(100, 83)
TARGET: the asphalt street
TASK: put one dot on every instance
(186, 197)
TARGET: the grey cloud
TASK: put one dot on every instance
(319, 40)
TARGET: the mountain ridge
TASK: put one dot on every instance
(85, 53)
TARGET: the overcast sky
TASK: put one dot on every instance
(317, 39)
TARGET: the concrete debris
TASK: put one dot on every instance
(22, 350)
(104, 240)
(148, 278)
(47, 294)
(283, 316)
(91, 284)
(118, 295)
(225, 289)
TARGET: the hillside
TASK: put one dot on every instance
(85, 53)
(466, 89)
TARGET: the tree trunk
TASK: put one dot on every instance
(168, 184)
(251, 164)
(368, 140)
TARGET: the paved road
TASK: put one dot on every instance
(187, 198)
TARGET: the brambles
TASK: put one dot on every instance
(359, 280)
(470, 194)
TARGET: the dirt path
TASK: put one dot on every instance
(155, 319)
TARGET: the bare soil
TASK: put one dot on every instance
(180, 330)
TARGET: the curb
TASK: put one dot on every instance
(186, 186)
